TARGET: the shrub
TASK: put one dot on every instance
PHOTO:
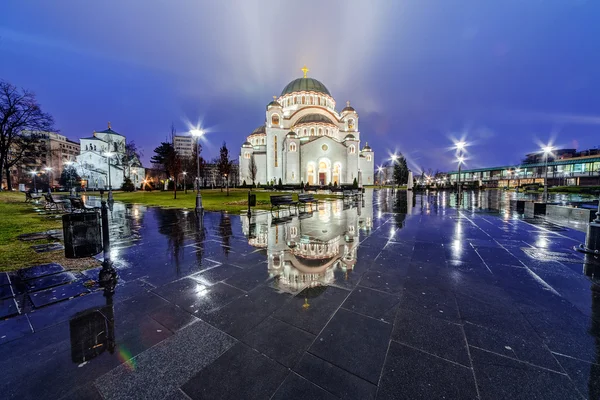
(128, 186)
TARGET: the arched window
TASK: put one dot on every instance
(292, 147)
(247, 155)
(320, 131)
(351, 149)
(304, 132)
(351, 123)
(263, 141)
(319, 99)
(303, 100)
(311, 100)
(312, 131)
(275, 119)
(327, 132)
(368, 158)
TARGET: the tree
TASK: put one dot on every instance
(132, 156)
(224, 164)
(69, 177)
(401, 171)
(20, 115)
(252, 169)
(354, 184)
(161, 155)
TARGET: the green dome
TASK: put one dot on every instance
(305, 85)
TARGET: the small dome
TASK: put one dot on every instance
(247, 144)
(367, 147)
(313, 118)
(260, 129)
(348, 108)
(292, 135)
(350, 137)
(274, 103)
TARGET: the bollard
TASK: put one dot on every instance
(592, 237)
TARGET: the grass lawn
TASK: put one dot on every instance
(16, 218)
(212, 199)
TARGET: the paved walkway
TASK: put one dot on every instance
(384, 299)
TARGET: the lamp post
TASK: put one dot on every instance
(226, 183)
(184, 182)
(48, 171)
(109, 155)
(33, 174)
(197, 133)
(547, 150)
(394, 159)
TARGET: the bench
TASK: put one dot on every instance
(31, 197)
(282, 200)
(307, 198)
(77, 205)
(52, 204)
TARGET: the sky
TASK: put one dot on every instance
(506, 76)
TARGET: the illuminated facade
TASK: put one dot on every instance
(305, 140)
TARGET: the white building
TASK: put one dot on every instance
(184, 145)
(304, 139)
(97, 151)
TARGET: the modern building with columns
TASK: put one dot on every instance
(304, 139)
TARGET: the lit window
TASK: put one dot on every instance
(320, 131)
(247, 155)
(351, 149)
(312, 131)
(351, 124)
(275, 119)
(293, 147)
(368, 158)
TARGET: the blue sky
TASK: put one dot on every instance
(506, 74)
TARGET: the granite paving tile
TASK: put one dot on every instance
(172, 317)
(432, 335)
(335, 380)
(294, 387)
(504, 378)
(585, 375)
(412, 374)
(312, 313)
(250, 277)
(280, 341)
(8, 308)
(355, 343)
(386, 282)
(234, 376)
(58, 293)
(216, 274)
(160, 370)
(49, 281)
(13, 328)
(6, 292)
(373, 303)
(40, 270)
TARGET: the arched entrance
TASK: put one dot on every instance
(324, 176)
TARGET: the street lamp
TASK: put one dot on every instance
(48, 171)
(184, 182)
(109, 155)
(197, 133)
(547, 150)
(33, 174)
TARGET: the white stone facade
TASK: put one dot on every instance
(305, 140)
(96, 152)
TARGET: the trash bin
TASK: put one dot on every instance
(251, 200)
(82, 234)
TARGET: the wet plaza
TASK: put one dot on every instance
(395, 296)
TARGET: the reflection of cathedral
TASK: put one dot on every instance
(305, 252)
(306, 140)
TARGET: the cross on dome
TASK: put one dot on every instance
(348, 103)
(109, 125)
(305, 70)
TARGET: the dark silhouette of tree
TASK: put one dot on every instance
(20, 116)
(224, 165)
(131, 158)
(161, 155)
(252, 169)
(69, 177)
(401, 171)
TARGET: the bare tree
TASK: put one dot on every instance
(19, 113)
(252, 169)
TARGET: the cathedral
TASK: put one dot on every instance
(305, 140)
